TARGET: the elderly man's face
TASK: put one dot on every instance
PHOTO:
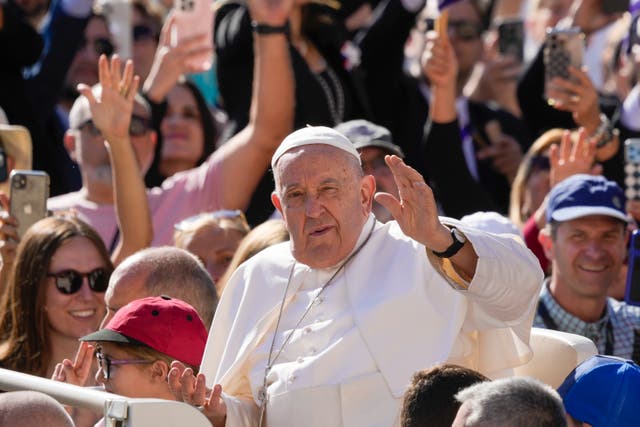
(324, 201)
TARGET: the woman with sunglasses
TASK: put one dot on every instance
(54, 295)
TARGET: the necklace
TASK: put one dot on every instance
(335, 98)
(262, 394)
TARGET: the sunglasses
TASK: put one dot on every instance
(69, 282)
(105, 363)
(465, 30)
(142, 32)
(139, 126)
(187, 224)
(539, 163)
(100, 45)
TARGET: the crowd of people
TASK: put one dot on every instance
(358, 225)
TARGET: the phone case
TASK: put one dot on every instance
(119, 16)
(562, 48)
(632, 291)
(632, 168)
(193, 17)
(511, 38)
(29, 194)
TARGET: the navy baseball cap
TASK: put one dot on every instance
(603, 391)
(363, 133)
(584, 195)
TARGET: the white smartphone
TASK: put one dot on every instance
(194, 17)
(28, 198)
(119, 16)
(632, 168)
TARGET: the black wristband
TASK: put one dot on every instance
(259, 28)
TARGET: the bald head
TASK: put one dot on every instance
(162, 271)
(32, 408)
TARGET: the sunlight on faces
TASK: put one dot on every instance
(587, 254)
(130, 380)
(214, 245)
(125, 286)
(181, 127)
(324, 200)
(78, 314)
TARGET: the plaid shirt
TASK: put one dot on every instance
(624, 318)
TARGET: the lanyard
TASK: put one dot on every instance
(551, 324)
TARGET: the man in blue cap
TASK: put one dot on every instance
(602, 391)
(586, 240)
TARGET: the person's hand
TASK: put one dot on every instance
(577, 96)
(439, 62)
(8, 234)
(111, 112)
(170, 62)
(633, 209)
(76, 372)
(416, 211)
(193, 390)
(272, 12)
(504, 150)
(572, 158)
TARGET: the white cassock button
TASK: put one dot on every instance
(312, 350)
(308, 330)
(318, 301)
(292, 378)
(300, 359)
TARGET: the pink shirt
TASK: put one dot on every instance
(180, 196)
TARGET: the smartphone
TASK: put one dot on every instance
(193, 17)
(614, 6)
(3, 165)
(632, 291)
(511, 38)
(119, 15)
(632, 168)
(563, 48)
(28, 199)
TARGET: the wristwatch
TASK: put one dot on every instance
(261, 28)
(604, 133)
(459, 240)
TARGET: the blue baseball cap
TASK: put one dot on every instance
(584, 195)
(603, 391)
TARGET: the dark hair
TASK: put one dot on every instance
(430, 399)
(210, 134)
(23, 330)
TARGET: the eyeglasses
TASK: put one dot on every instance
(100, 45)
(69, 282)
(187, 223)
(539, 163)
(465, 30)
(139, 126)
(105, 363)
(141, 32)
(375, 164)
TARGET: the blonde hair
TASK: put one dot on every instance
(225, 219)
(264, 235)
(538, 148)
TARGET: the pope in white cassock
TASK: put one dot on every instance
(326, 330)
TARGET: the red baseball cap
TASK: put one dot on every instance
(165, 324)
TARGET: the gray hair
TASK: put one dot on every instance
(31, 408)
(174, 272)
(513, 402)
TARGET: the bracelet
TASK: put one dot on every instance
(604, 133)
(260, 28)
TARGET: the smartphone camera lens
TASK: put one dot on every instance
(20, 182)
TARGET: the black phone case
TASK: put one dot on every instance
(632, 292)
(511, 39)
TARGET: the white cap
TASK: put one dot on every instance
(314, 135)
